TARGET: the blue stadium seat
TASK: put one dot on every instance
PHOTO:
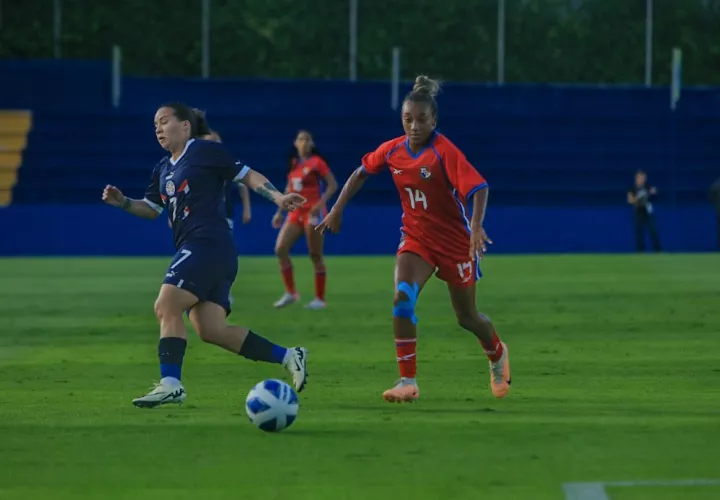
(535, 144)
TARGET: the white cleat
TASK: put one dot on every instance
(296, 363)
(500, 378)
(286, 300)
(405, 391)
(316, 304)
(168, 391)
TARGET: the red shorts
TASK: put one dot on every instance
(304, 219)
(458, 270)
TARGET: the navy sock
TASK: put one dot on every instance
(171, 351)
(257, 348)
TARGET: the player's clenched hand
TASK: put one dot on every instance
(277, 221)
(478, 242)
(113, 196)
(331, 222)
(291, 201)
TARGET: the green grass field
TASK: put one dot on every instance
(616, 372)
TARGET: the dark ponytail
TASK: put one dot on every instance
(201, 125)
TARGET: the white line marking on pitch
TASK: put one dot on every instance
(585, 491)
(596, 491)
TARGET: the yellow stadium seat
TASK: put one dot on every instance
(14, 129)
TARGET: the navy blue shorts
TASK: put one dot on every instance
(207, 269)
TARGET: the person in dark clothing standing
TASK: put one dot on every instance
(639, 197)
(715, 199)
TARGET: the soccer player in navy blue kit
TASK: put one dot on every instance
(190, 185)
(208, 134)
(211, 135)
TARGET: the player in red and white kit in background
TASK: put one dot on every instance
(436, 183)
(309, 176)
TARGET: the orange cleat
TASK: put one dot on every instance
(500, 374)
(406, 391)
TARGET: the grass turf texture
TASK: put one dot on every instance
(615, 371)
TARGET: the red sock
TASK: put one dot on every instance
(405, 349)
(320, 278)
(494, 350)
(288, 279)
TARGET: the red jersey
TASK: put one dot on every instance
(435, 186)
(306, 178)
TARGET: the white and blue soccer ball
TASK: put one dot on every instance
(272, 405)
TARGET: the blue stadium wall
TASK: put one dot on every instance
(558, 159)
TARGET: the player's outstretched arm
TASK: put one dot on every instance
(333, 219)
(140, 208)
(350, 189)
(277, 219)
(287, 190)
(262, 186)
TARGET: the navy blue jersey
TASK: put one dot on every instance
(229, 209)
(192, 189)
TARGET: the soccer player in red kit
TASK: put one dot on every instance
(310, 177)
(436, 184)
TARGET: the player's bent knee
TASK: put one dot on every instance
(164, 309)
(174, 300)
(210, 323)
(406, 297)
(208, 334)
(400, 297)
(158, 309)
(282, 252)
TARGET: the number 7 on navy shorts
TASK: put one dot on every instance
(205, 269)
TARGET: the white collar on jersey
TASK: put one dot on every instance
(187, 145)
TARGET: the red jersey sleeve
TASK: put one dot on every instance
(321, 167)
(461, 173)
(373, 163)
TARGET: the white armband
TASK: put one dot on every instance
(153, 205)
(241, 175)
